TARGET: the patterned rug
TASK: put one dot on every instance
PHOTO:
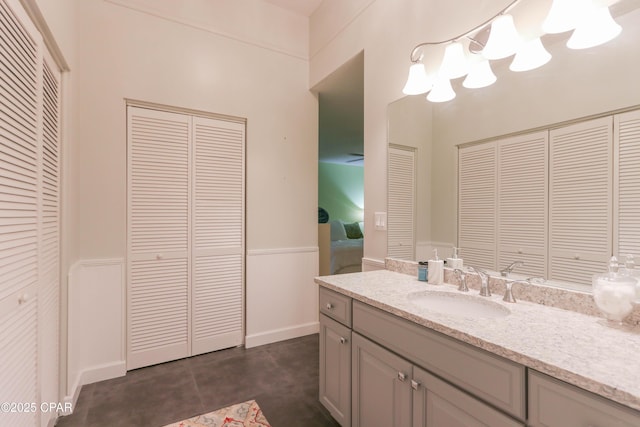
(246, 414)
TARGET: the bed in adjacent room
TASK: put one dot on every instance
(343, 250)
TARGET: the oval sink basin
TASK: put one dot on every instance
(459, 305)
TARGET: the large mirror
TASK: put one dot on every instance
(574, 84)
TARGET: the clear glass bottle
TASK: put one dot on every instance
(630, 270)
(614, 293)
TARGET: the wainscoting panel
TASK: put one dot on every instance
(281, 296)
(96, 336)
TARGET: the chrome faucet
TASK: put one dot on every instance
(505, 271)
(484, 281)
(462, 278)
(508, 294)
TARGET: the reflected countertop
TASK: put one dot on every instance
(579, 349)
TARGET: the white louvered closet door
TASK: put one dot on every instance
(580, 200)
(522, 202)
(627, 184)
(477, 205)
(159, 241)
(401, 200)
(49, 292)
(218, 234)
(20, 98)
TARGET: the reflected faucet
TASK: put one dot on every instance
(505, 271)
(484, 281)
(462, 278)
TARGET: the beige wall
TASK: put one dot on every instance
(234, 57)
(387, 30)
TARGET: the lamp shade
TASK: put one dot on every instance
(503, 40)
(418, 81)
(454, 64)
(594, 28)
(531, 55)
(442, 90)
(563, 16)
(480, 74)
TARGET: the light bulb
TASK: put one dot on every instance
(442, 90)
(454, 63)
(531, 55)
(563, 16)
(480, 74)
(594, 28)
(503, 40)
(418, 81)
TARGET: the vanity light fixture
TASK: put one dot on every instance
(590, 21)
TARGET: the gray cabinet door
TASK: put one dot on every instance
(335, 369)
(381, 389)
(555, 403)
(439, 404)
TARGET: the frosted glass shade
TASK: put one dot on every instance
(531, 55)
(563, 16)
(418, 81)
(442, 90)
(503, 40)
(594, 28)
(454, 63)
(480, 74)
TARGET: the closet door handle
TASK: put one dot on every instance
(415, 384)
(401, 376)
(343, 340)
(329, 306)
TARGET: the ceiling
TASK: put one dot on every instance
(301, 7)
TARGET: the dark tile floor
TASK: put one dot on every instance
(282, 377)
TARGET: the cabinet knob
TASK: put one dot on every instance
(159, 257)
(415, 384)
(329, 306)
(23, 299)
(576, 257)
(343, 340)
(402, 376)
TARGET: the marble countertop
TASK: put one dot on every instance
(582, 350)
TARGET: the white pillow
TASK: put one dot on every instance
(337, 230)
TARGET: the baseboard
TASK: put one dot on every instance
(93, 375)
(276, 335)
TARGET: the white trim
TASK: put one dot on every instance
(276, 251)
(93, 375)
(282, 334)
(32, 9)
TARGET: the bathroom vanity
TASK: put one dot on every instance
(387, 359)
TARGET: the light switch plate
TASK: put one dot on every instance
(380, 220)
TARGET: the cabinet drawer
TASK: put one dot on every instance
(493, 379)
(556, 403)
(336, 306)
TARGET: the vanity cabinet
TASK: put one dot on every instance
(335, 355)
(389, 391)
(555, 403)
(381, 386)
(437, 403)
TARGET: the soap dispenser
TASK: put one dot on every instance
(435, 273)
(454, 262)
